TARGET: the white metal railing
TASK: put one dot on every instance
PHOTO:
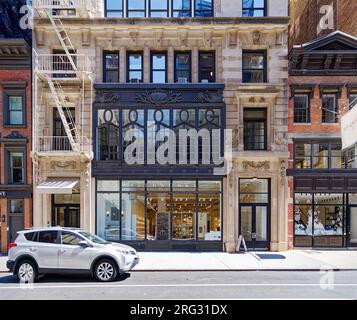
(61, 144)
(60, 64)
(63, 4)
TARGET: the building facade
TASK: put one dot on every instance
(323, 183)
(107, 70)
(15, 126)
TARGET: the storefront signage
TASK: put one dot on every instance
(349, 128)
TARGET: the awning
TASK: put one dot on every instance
(57, 186)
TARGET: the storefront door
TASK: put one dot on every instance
(352, 226)
(254, 225)
(67, 216)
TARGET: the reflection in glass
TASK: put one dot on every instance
(261, 223)
(108, 134)
(246, 214)
(158, 221)
(133, 216)
(320, 155)
(184, 216)
(303, 156)
(209, 217)
(108, 216)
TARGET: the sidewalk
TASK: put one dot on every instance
(221, 261)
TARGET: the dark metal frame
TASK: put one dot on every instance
(176, 53)
(170, 243)
(265, 8)
(128, 65)
(128, 10)
(105, 53)
(257, 244)
(195, 10)
(307, 108)
(152, 70)
(18, 92)
(16, 214)
(255, 120)
(200, 67)
(325, 111)
(265, 65)
(344, 205)
(106, 9)
(158, 10)
(20, 149)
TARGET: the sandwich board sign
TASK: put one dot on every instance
(241, 242)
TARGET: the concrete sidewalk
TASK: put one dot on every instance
(221, 261)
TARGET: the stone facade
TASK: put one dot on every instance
(227, 34)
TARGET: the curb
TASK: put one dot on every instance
(243, 270)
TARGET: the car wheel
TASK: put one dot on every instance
(105, 270)
(26, 272)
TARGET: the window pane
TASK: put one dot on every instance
(136, 4)
(16, 167)
(181, 4)
(184, 216)
(182, 66)
(108, 134)
(209, 217)
(159, 77)
(158, 210)
(328, 214)
(70, 239)
(15, 110)
(133, 185)
(112, 61)
(108, 185)
(183, 185)
(133, 216)
(16, 206)
(114, 4)
(158, 62)
(302, 156)
(203, 8)
(329, 108)
(108, 216)
(301, 108)
(114, 14)
(158, 4)
(303, 214)
(209, 186)
(337, 159)
(320, 155)
(207, 67)
(254, 129)
(47, 237)
(253, 67)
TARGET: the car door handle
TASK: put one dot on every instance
(33, 249)
(63, 250)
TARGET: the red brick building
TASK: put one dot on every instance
(323, 177)
(15, 139)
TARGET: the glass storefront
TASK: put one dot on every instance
(182, 210)
(320, 219)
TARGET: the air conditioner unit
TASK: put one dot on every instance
(134, 80)
(204, 81)
(182, 80)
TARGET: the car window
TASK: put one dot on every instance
(31, 236)
(47, 236)
(70, 238)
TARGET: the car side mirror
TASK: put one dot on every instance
(84, 244)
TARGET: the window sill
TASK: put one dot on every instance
(330, 123)
(14, 126)
(302, 123)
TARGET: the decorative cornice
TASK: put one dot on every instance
(159, 97)
(256, 165)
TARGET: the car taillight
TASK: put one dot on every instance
(12, 244)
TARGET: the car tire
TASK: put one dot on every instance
(26, 271)
(105, 270)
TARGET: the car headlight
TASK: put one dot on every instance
(126, 251)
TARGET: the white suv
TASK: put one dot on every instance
(67, 250)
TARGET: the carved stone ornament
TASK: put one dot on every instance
(159, 97)
(63, 164)
(210, 97)
(256, 36)
(235, 137)
(256, 165)
(107, 97)
(282, 169)
(279, 138)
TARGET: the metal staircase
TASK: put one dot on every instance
(65, 113)
(75, 65)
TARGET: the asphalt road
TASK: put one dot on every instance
(189, 285)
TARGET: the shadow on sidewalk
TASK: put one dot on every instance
(270, 256)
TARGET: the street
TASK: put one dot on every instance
(189, 285)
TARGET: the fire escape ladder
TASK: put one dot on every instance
(63, 38)
(65, 113)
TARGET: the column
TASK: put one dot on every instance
(195, 64)
(122, 65)
(147, 64)
(170, 65)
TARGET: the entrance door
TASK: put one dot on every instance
(66, 216)
(254, 225)
(352, 226)
(16, 224)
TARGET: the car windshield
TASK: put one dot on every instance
(93, 238)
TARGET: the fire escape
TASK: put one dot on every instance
(58, 73)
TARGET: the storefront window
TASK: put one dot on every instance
(303, 156)
(159, 210)
(108, 216)
(328, 214)
(108, 135)
(320, 214)
(337, 160)
(303, 214)
(209, 216)
(133, 216)
(320, 155)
